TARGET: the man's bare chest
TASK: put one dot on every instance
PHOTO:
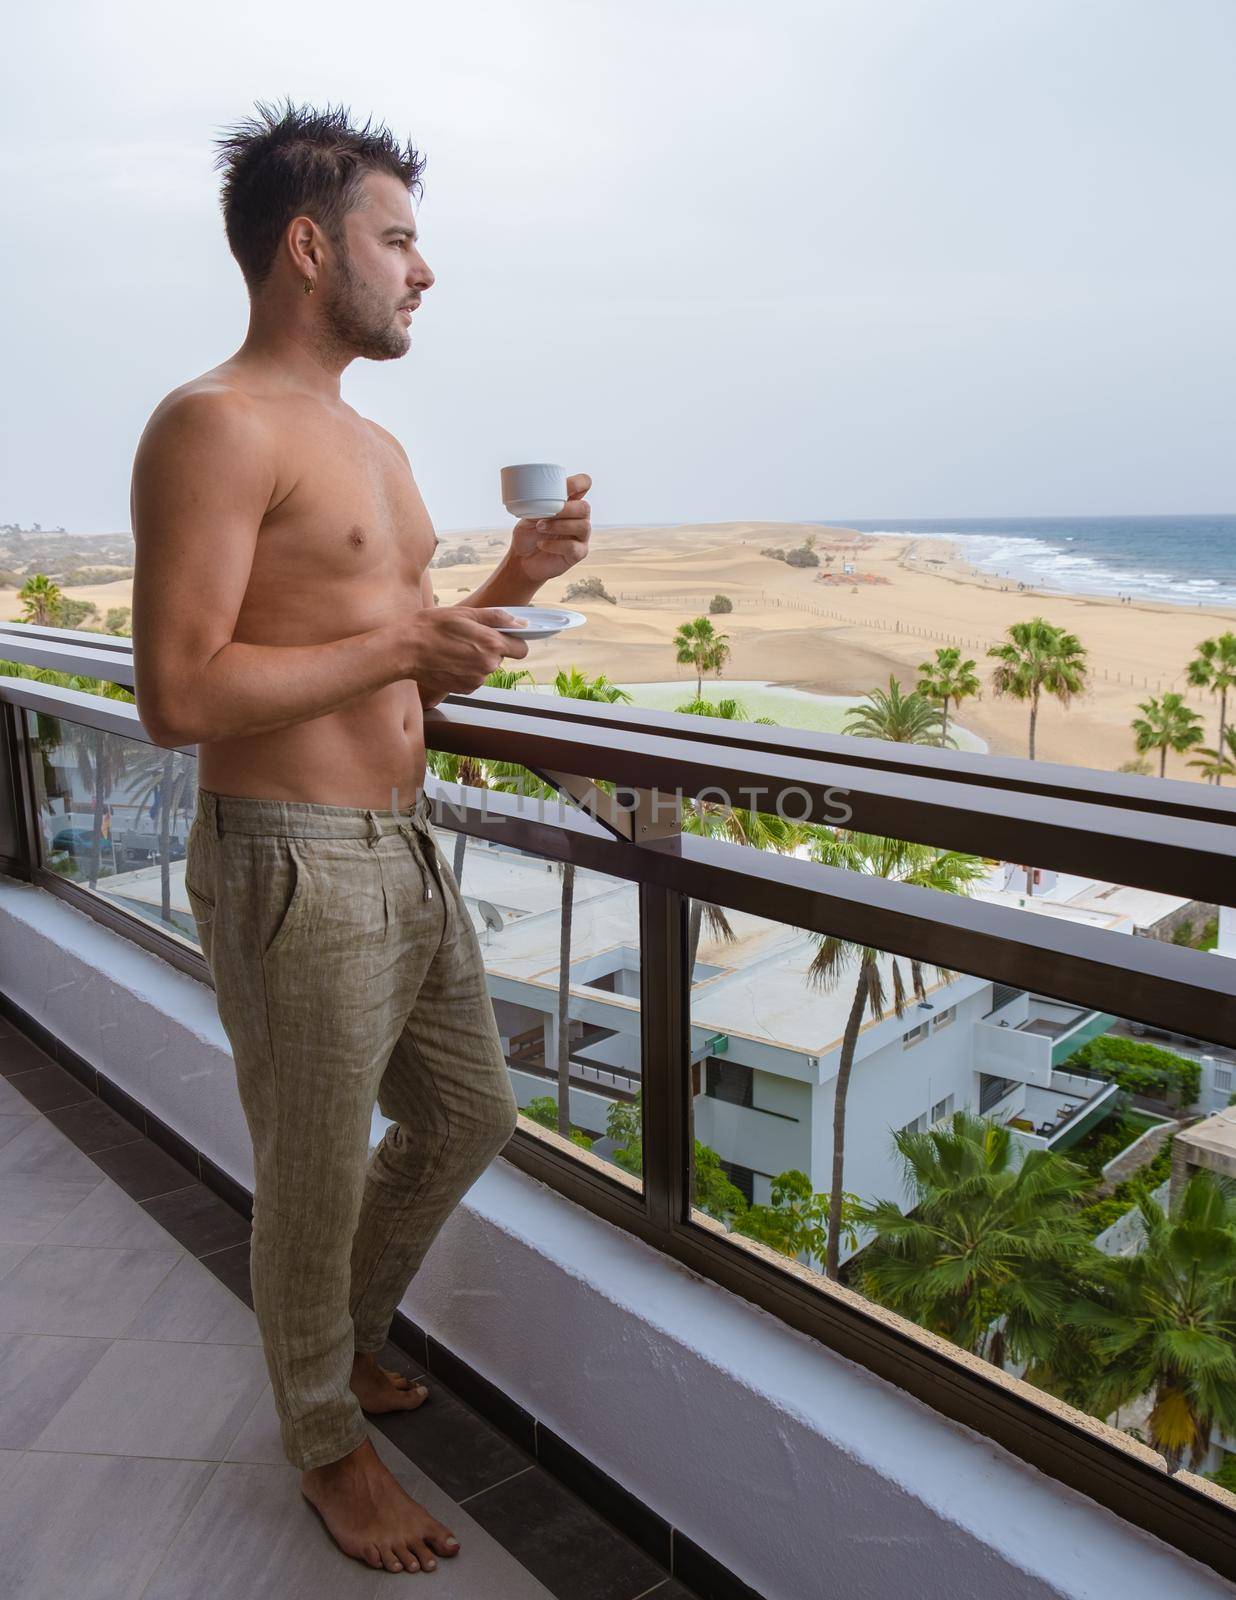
(348, 526)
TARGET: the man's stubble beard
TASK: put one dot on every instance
(356, 320)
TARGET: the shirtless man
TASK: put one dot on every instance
(283, 615)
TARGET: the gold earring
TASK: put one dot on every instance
(308, 282)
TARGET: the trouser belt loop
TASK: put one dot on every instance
(375, 831)
(212, 811)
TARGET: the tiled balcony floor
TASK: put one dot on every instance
(139, 1447)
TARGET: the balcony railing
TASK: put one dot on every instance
(1172, 836)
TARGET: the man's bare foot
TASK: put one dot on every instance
(371, 1517)
(379, 1389)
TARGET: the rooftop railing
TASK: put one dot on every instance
(1170, 836)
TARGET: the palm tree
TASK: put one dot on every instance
(1167, 724)
(743, 828)
(469, 772)
(947, 678)
(1163, 1321)
(1214, 668)
(699, 645)
(729, 707)
(948, 871)
(903, 718)
(101, 758)
(1039, 658)
(984, 1254)
(512, 777)
(710, 819)
(42, 600)
(1217, 764)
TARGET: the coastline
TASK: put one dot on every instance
(958, 567)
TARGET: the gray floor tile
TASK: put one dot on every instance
(8, 1460)
(107, 1216)
(191, 1304)
(50, 1087)
(30, 1206)
(258, 1441)
(19, 1054)
(12, 1103)
(562, 1540)
(40, 1150)
(38, 1373)
(253, 1533)
(11, 1126)
(91, 1527)
(495, 1571)
(147, 1398)
(11, 1254)
(65, 1289)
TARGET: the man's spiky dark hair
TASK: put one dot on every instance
(295, 160)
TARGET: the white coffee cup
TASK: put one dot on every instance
(534, 489)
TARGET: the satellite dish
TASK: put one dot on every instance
(491, 916)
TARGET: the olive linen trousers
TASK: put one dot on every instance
(347, 970)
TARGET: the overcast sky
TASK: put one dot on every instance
(859, 258)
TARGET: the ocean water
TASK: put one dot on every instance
(1189, 560)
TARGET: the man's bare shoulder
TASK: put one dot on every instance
(386, 435)
(205, 432)
(206, 420)
(207, 397)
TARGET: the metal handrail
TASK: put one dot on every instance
(1149, 833)
(1144, 980)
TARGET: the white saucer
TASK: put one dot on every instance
(543, 621)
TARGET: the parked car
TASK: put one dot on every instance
(131, 849)
(140, 847)
(77, 841)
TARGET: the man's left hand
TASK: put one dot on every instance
(546, 547)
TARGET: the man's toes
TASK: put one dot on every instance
(423, 1553)
(391, 1561)
(406, 1555)
(442, 1540)
(371, 1555)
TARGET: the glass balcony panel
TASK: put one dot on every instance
(521, 903)
(997, 1146)
(114, 818)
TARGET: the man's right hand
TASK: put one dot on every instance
(455, 648)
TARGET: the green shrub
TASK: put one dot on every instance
(1225, 1473)
(1140, 1068)
(1146, 1178)
(1124, 1196)
(720, 603)
(1097, 1218)
(543, 1108)
(1107, 1140)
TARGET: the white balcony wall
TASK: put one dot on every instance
(1009, 1053)
(1014, 1011)
(765, 1143)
